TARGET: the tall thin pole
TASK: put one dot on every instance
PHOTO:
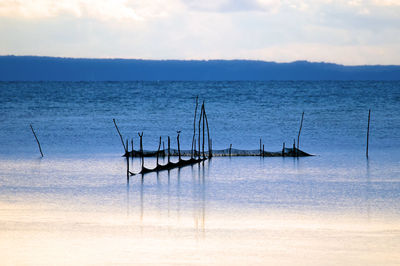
(208, 135)
(204, 155)
(201, 114)
(40, 148)
(119, 133)
(141, 148)
(211, 148)
(179, 147)
(158, 151)
(369, 118)
(169, 149)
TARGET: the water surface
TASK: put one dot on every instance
(76, 205)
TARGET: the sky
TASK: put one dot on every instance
(352, 32)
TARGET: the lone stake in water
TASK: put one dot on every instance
(40, 149)
(369, 118)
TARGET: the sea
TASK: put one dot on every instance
(78, 205)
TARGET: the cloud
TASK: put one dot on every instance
(97, 9)
(389, 3)
(226, 6)
(349, 32)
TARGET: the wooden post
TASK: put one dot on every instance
(283, 150)
(163, 148)
(169, 149)
(211, 149)
(158, 150)
(260, 146)
(263, 151)
(179, 147)
(201, 114)
(120, 136)
(298, 136)
(127, 159)
(230, 150)
(37, 140)
(141, 148)
(194, 126)
(369, 118)
(294, 148)
(208, 134)
(204, 155)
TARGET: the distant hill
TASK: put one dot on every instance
(34, 68)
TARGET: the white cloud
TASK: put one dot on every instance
(98, 9)
(350, 32)
(386, 2)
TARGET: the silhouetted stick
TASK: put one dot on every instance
(141, 148)
(204, 155)
(230, 150)
(119, 133)
(194, 125)
(179, 147)
(126, 152)
(283, 150)
(169, 149)
(158, 150)
(260, 146)
(263, 151)
(211, 148)
(40, 148)
(163, 148)
(369, 118)
(298, 136)
(201, 114)
(294, 147)
(132, 146)
(208, 134)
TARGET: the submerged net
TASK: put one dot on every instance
(289, 152)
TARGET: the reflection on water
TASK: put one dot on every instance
(368, 189)
(172, 195)
(81, 207)
(224, 211)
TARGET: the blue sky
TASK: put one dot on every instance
(346, 32)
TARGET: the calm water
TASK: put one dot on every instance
(76, 206)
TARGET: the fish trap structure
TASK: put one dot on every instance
(199, 154)
(229, 152)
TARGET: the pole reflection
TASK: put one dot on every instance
(368, 189)
(173, 204)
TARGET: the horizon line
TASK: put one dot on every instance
(188, 60)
